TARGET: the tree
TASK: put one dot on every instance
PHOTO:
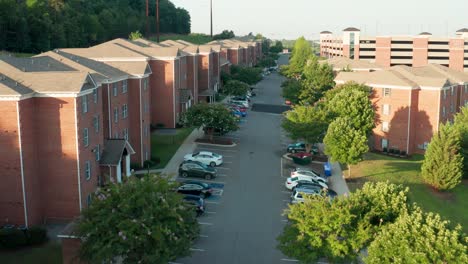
(299, 56)
(210, 116)
(340, 229)
(291, 89)
(135, 35)
(353, 102)
(259, 36)
(246, 74)
(419, 237)
(235, 88)
(277, 48)
(306, 123)
(344, 143)
(317, 79)
(442, 167)
(142, 220)
(226, 34)
(461, 123)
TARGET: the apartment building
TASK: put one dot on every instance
(346, 64)
(411, 103)
(387, 51)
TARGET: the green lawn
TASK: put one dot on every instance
(165, 146)
(50, 253)
(195, 38)
(453, 204)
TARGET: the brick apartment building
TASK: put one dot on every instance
(411, 103)
(413, 51)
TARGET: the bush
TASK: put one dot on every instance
(36, 235)
(135, 166)
(384, 150)
(12, 238)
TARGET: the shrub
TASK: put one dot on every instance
(135, 166)
(36, 235)
(384, 150)
(397, 152)
(12, 238)
(403, 153)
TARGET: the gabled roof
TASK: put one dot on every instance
(134, 68)
(339, 63)
(113, 151)
(150, 51)
(351, 29)
(425, 34)
(463, 30)
(325, 32)
(36, 64)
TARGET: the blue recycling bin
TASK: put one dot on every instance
(327, 169)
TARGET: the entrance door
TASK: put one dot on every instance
(384, 143)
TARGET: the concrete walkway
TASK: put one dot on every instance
(337, 181)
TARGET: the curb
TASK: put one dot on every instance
(217, 145)
(285, 156)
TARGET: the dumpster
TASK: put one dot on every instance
(327, 169)
(302, 158)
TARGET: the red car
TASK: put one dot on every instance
(238, 107)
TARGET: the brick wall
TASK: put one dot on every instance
(162, 92)
(420, 49)
(382, 51)
(456, 54)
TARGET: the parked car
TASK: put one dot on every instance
(238, 111)
(309, 173)
(195, 188)
(299, 193)
(238, 106)
(196, 169)
(205, 157)
(291, 182)
(197, 202)
(240, 102)
(307, 184)
(301, 147)
(242, 98)
(298, 170)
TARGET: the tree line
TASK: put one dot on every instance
(35, 26)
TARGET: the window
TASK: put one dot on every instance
(146, 155)
(88, 200)
(145, 84)
(451, 90)
(115, 90)
(88, 170)
(125, 133)
(386, 109)
(387, 92)
(145, 131)
(116, 135)
(124, 111)
(116, 114)
(95, 96)
(85, 137)
(385, 126)
(452, 108)
(443, 111)
(124, 86)
(97, 152)
(445, 94)
(96, 123)
(146, 108)
(466, 88)
(84, 104)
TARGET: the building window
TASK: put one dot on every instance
(443, 111)
(387, 92)
(88, 170)
(146, 105)
(98, 152)
(124, 86)
(145, 131)
(116, 135)
(386, 109)
(85, 137)
(84, 104)
(125, 133)
(124, 111)
(95, 96)
(385, 126)
(466, 88)
(445, 94)
(88, 200)
(115, 90)
(451, 90)
(96, 123)
(145, 84)
(452, 108)
(116, 114)
(146, 155)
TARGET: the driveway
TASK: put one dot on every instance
(244, 222)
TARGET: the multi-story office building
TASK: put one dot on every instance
(413, 51)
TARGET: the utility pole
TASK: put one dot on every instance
(147, 20)
(211, 18)
(157, 21)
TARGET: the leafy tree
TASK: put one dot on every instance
(247, 75)
(330, 94)
(353, 102)
(210, 116)
(135, 35)
(299, 56)
(291, 89)
(267, 62)
(419, 237)
(259, 36)
(442, 167)
(339, 230)
(317, 79)
(226, 34)
(235, 88)
(344, 143)
(461, 123)
(143, 220)
(306, 123)
(277, 48)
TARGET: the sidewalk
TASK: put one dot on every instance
(337, 181)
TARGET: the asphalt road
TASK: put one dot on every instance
(242, 224)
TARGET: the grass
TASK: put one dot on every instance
(165, 146)
(49, 253)
(195, 38)
(453, 205)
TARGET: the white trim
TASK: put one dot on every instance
(11, 98)
(409, 121)
(109, 111)
(78, 156)
(438, 112)
(25, 205)
(173, 94)
(141, 126)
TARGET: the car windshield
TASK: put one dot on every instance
(294, 179)
(215, 155)
(195, 154)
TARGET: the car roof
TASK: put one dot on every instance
(205, 153)
(195, 182)
(307, 190)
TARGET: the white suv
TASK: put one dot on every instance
(291, 182)
(310, 173)
(298, 194)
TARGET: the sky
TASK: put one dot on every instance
(290, 19)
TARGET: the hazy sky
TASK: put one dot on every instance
(292, 18)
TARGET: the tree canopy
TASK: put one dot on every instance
(316, 80)
(42, 25)
(142, 220)
(299, 56)
(442, 167)
(461, 123)
(291, 88)
(277, 48)
(226, 34)
(247, 75)
(235, 88)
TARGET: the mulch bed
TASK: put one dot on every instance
(217, 141)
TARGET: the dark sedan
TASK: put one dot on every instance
(301, 147)
(195, 188)
(196, 169)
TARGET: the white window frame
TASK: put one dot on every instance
(385, 126)
(145, 84)
(95, 95)
(386, 109)
(98, 152)
(85, 137)
(124, 111)
(125, 134)
(84, 104)
(87, 170)
(124, 86)
(451, 90)
(96, 123)
(116, 114)
(387, 92)
(445, 94)
(116, 134)
(115, 89)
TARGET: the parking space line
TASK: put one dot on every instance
(209, 212)
(282, 167)
(211, 181)
(285, 200)
(222, 168)
(203, 236)
(228, 162)
(197, 249)
(221, 150)
(225, 156)
(290, 260)
(288, 192)
(174, 263)
(209, 202)
(204, 223)
(284, 220)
